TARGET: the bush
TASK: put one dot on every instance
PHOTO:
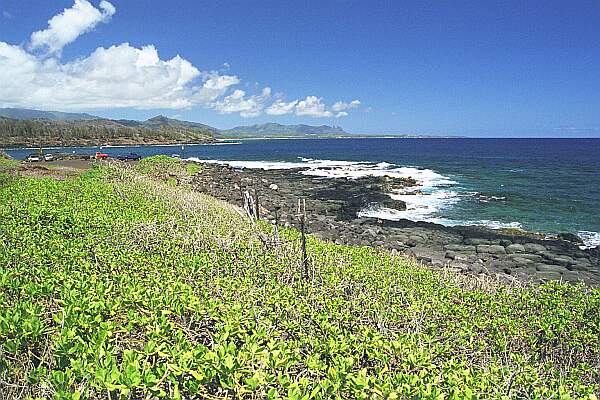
(114, 285)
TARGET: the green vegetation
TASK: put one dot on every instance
(23, 127)
(114, 285)
(158, 165)
(7, 163)
(45, 132)
(7, 167)
(168, 169)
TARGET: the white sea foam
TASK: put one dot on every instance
(343, 169)
(411, 214)
(424, 202)
(426, 214)
(493, 224)
(486, 199)
(433, 194)
(427, 178)
(590, 239)
(423, 207)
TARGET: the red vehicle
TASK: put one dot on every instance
(101, 155)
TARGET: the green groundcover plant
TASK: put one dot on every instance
(125, 283)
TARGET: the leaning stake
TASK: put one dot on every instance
(302, 217)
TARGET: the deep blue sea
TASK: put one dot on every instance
(544, 185)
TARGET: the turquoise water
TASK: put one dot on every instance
(545, 185)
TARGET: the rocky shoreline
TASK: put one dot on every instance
(333, 203)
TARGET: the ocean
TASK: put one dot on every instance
(542, 185)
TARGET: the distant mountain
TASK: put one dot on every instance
(274, 130)
(162, 121)
(23, 113)
(24, 127)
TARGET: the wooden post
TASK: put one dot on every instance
(249, 205)
(257, 204)
(276, 228)
(302, 218)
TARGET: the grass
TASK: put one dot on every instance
(8, 163)
(168, 168)
(115, 284)
(7, 168)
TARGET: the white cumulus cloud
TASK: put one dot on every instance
(118, 76)
(64, 28)
(237, 102)
(312, 106)
(341, 106)
(214, 87)
(280, 107)
(124, 76)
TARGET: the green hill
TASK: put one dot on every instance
(125, 283)
(33, 128)
(46, 132)
(161, 121)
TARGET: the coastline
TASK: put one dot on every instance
(339, 193)
(333, 206)
(121, 146)
(349, 136)
(214, 141)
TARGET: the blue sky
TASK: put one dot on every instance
(477, 68)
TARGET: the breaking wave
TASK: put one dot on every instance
(425, 202)
(590, 239)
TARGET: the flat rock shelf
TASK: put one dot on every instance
(333, 204)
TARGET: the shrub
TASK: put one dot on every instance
(114, 285)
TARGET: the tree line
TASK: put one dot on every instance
(45, 132)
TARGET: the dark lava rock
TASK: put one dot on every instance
(515, 248)
(570, 237)
(491, 249)
(394, 204)
(460, 247)
(533, 247)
